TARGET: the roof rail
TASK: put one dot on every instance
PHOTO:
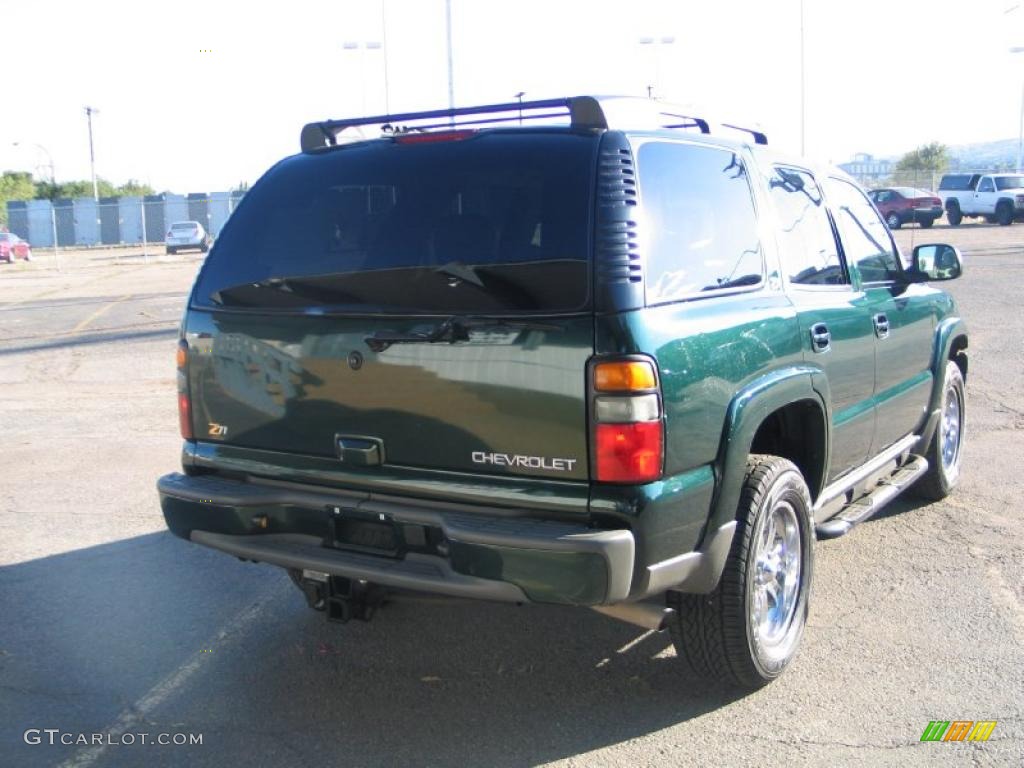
(588, 113)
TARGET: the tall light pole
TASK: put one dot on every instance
(384, 52)
(1020, 126)
(53, 172)
(363, 47)
(657, 44)
(448, 37)
(53, 187)
(89, 112)
(803, 87)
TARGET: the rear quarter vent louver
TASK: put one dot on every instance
(618, 263)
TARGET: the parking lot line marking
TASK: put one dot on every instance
(106, 307)
(52, 291)
(137, 712)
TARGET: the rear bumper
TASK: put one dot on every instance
(911, 215)
(483, 554)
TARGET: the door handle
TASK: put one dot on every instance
(881, 325)
(821, 338)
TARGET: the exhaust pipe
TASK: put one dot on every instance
(646, 615)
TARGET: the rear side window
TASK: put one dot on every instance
(865, 238)
(495, 223)
(807, 243)
(956, 182)
(700, 221)
(1009, 182)
(986, 185)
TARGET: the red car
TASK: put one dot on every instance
(902, 205)
(13, 247)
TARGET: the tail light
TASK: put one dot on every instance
(184, 403)
(629, 436)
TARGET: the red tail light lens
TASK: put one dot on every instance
(628, 453)
(184, 403)
(185, 416)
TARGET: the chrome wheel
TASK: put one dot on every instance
(951, 430)
(777, 573)
(893, 221)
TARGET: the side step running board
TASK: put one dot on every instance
(860, 510)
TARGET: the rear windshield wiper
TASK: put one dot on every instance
(452, 330)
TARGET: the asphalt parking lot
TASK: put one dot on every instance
(110, 625)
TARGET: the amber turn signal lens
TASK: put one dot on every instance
(182, 356)
(624, 376)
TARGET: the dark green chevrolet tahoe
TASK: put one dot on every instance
(592, 352)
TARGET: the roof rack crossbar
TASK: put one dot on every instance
(484, 121)
(583, 112)
(759, 136)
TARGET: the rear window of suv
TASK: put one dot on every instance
(496, 223)
(956, 182)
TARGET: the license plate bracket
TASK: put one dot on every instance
(355, 531)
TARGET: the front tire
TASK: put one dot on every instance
(893, 221)
(748, 629)
(1004, 214)
(946, 448)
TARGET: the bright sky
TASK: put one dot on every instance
(197, 96)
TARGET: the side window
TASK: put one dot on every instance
(806, 241)
(701, 221)
(986, 185)
(881, 197)
(865, 239)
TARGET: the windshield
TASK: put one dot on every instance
(494, 223)
(911, 192)
(1009, 182)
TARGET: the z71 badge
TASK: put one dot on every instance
(218, 430)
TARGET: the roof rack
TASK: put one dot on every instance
(585, 113)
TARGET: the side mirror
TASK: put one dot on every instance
(936, 262)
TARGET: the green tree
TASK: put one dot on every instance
(927, 157)
(134, 188)
(83, 188)
(14, 185)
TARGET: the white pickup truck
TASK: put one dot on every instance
(999, 197)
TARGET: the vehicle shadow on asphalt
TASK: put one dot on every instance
(88, 634)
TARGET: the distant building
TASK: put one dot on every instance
(866, 167)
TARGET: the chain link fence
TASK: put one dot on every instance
(924, 180)
(120, 221)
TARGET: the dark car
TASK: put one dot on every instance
(639, 367)
(905, 205)
(13, 247)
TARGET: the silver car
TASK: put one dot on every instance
(187, 234)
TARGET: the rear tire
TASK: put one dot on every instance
(171, 251)
(748, 629)
(927, 223)
(1004, 214)
(946, 448)
(954, 215)
(893, 221)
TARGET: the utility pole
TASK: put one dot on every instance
(89, 111)
(448, 31)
